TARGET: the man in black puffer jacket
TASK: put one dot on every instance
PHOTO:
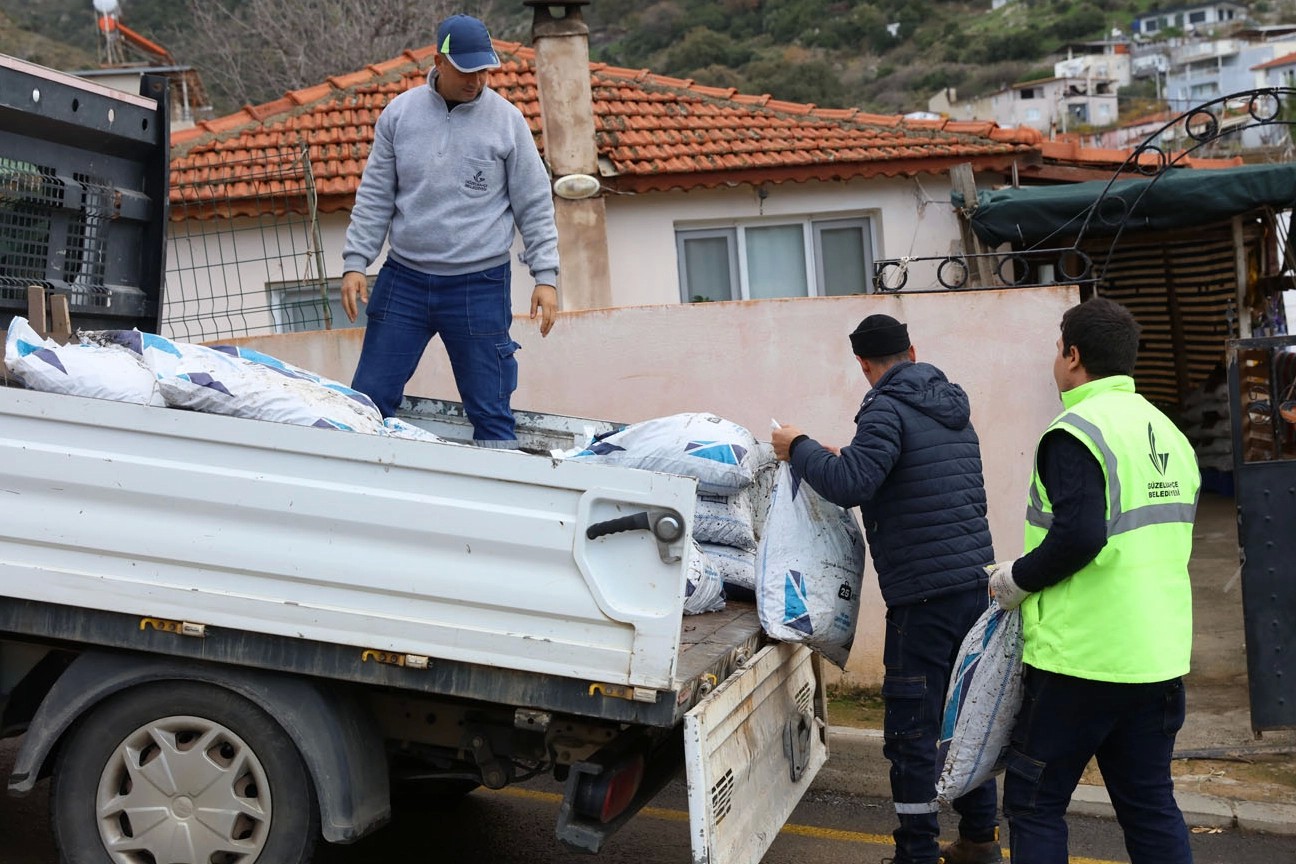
(914, 470)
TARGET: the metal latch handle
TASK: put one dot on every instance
(666, 526)
(633, 522)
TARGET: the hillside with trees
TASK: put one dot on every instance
(887, 56)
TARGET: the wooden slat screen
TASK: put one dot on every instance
(1202, 268)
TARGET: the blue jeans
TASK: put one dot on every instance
(1130, 728)
(922, 643)
(472, 313)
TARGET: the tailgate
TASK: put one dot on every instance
(751, 749)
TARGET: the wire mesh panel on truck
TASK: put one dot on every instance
(245, 251)
(83, 195)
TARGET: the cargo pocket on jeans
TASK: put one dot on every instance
(508, 367)
(904, 698)
(1029, 772)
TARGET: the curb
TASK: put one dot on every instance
(857, 768)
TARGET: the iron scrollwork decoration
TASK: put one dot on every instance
(955, 272)
(1196, 128)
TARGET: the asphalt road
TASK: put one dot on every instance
(515, 826)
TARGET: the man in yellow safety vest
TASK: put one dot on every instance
(1106, 602)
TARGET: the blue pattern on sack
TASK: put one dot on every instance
(600, 448)
(159, 343)
(727, 454)
(49, 357)
(202, 379)
(795, 614)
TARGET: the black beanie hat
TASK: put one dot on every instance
(879, 336)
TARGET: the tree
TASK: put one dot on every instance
(1084, 20)
(813, 81)
(702, 47)
(253, 51)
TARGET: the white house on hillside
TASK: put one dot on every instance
(1100, 61)
(1049, 105)
(1187, 19)
(1206, 70)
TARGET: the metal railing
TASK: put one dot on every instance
(244, 250)
(1046, 262)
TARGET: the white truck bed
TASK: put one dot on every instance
(330, 545)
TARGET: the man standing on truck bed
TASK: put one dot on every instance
(1109, 523)
(914, 470)
(452, 171)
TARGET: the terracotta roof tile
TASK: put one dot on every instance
(1285, 60)
(653, 132)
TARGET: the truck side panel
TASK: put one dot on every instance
(435, 550)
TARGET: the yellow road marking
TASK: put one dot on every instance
(811, 831)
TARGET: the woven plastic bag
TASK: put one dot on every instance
(704, 589)
(808, 569)
(981, 706)
(725, 520)
(737, 567)
(96, 371)
(718, 452)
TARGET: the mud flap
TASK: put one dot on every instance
(751, 750)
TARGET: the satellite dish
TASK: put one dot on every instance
(105, 7)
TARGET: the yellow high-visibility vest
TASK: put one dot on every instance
(1126, 617)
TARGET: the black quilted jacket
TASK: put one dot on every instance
(914, 470)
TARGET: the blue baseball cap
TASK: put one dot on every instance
(466, 44)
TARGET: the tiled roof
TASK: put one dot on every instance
(1285, 60)
(653, 133)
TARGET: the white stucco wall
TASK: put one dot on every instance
(786, 359)
(911, 216)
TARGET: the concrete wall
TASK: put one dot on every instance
(784, 359)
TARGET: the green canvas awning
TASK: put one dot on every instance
(1182, 197)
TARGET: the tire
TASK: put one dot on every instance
(195, 755)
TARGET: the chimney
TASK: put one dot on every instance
(567, 121)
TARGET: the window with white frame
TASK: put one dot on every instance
(767, 259)
(298, 307)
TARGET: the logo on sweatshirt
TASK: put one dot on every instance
(477, 182)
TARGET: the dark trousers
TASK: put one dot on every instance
(922, 643)
(1130, 728)
(472, 313)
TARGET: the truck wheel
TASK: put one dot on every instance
(181, 773)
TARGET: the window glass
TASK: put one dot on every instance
(707, 260)
(843, 259)
(776, 262)
(298, 308)
(797, 259)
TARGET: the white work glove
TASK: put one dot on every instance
(1002, 587)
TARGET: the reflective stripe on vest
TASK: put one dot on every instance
(1126, 616)
(1118, 521)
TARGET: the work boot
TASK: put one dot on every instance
(965, 851)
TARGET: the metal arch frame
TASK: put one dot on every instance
(1201, 124)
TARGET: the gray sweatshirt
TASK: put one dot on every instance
(450, 185)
